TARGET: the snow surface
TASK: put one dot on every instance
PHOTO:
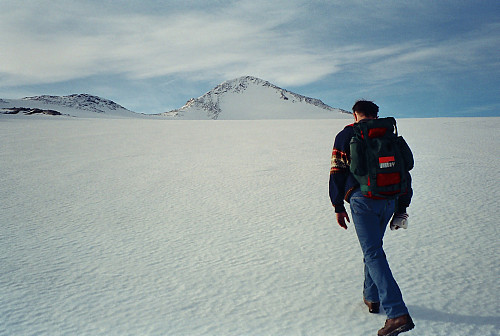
(155, 227)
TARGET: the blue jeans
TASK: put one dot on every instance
(370, 219)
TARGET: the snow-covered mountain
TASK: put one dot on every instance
(253, 98)
(75, 105)
(80, 101)
(244, 98)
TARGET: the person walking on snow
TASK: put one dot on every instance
(370, 218)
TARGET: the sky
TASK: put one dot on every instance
(423, 58)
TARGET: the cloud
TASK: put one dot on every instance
(75, 42)
(55, 41)
(473, 53)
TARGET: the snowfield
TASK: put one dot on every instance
(158, 227)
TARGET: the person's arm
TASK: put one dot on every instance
(404, 200)
(339, 171)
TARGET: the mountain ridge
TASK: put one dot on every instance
(75, 105)
(243, 98)
(82, 101)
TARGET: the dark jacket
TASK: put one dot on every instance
(342, 181)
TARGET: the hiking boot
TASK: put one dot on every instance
(397, 325)
(373, 307)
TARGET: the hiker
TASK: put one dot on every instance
(370, 218)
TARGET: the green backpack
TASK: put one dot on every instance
(380, 159)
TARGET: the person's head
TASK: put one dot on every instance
(364, 109)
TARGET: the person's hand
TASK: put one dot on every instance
(341, 218)
(399, 220)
